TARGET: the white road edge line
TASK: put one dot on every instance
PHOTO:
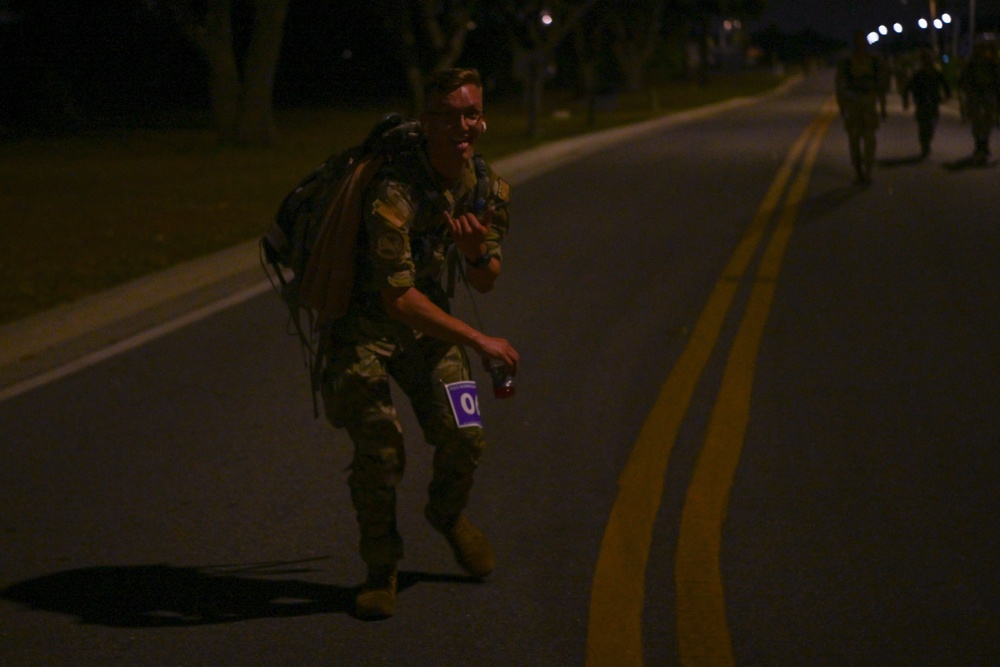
(133, 342)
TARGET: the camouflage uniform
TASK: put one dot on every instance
(404, 243)
(859, 83)
(980, 82)
(928, 87)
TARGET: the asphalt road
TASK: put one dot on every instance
(757, 423)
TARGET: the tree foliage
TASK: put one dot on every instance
(537, 27)
(636, 28)
(430, 35)
(344, 51)
(698, 15)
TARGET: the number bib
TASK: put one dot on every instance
(464, 403)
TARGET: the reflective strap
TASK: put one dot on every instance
(453, 261)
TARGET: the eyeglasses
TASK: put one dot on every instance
(471, 116)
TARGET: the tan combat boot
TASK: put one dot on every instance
(471, 548)
(377, 598)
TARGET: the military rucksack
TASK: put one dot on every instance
(864, 84)
(314, 233)
(309, 248)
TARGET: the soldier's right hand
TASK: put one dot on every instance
(498, 349)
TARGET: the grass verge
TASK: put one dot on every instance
(87, 213)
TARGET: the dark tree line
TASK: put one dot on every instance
(240, 73)
(236, 50)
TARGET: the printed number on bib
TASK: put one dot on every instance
(464, 403)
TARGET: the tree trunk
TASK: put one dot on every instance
(415, 79)
(255, 122)
(535, 57)
(703, 50)
(588, 48)
(216, 43)
(537, 94)
(446, 34)
(241, 103)
(636, 37)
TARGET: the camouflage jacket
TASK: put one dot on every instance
(404, 240)
(981, 79)
(861, 78)
(928, 87)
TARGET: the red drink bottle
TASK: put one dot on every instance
(503, 380)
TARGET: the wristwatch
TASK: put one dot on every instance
(480, 263)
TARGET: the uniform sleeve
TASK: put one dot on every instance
(388, 217)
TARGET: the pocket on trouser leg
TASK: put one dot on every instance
(377, 468)
(455, 463)
(349, 397)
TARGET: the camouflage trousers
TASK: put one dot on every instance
(927, 120)
(982, 111)
(356, 396)
(861, 121)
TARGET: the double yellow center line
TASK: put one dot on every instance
(614, 636)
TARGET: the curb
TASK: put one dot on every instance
(33, 346)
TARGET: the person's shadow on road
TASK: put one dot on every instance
(971, 162)
(823, 203)
(138, 596)
(910, 160)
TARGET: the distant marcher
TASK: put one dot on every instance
(980, 84)
(902, 70)
(860, 83)
(929, 88)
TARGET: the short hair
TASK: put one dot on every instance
(444, 81)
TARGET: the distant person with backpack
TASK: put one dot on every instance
(428, 213)
(929, 88)
(860, 85)
(980, 84)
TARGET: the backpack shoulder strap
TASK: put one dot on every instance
(482, 183)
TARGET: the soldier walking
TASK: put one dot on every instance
(860, 83)
(980, 84)
(928, 87)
